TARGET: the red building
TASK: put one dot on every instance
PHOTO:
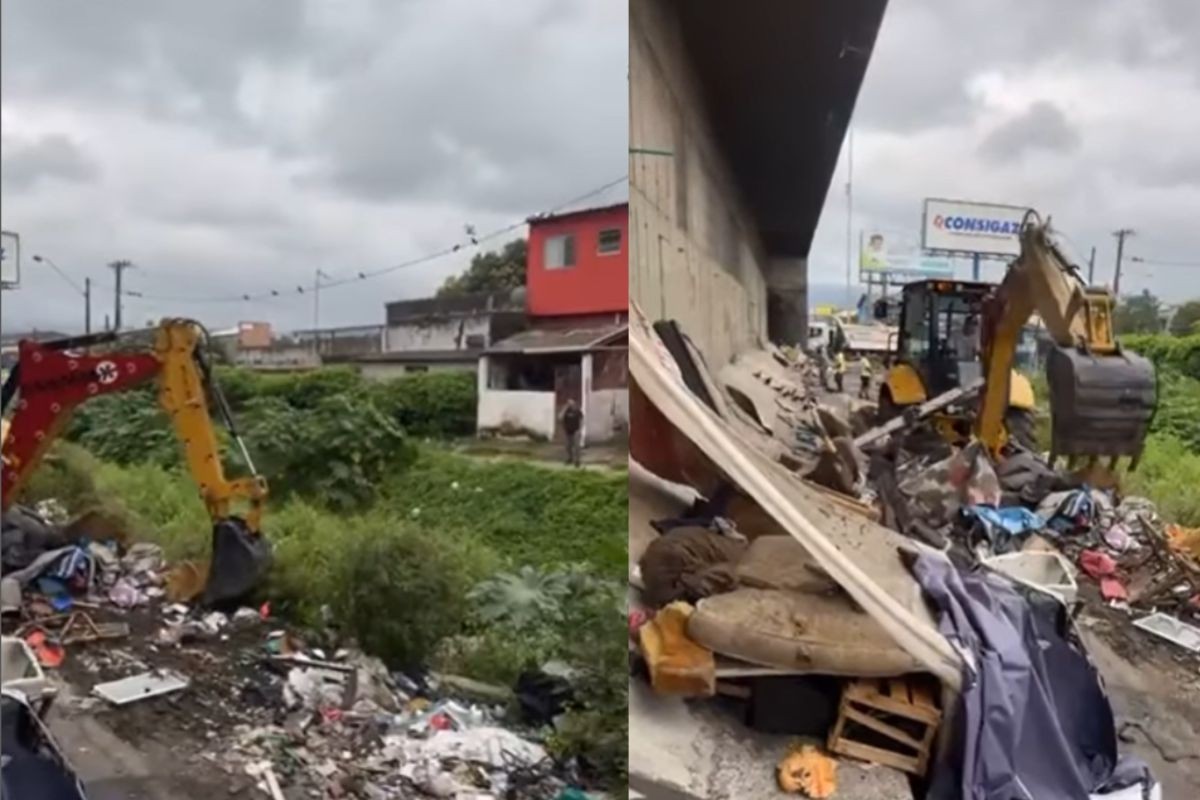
(577, 344)
(579, 264)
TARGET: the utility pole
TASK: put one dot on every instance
(849, 208)
(317, 309)
(87, 305)
(118, 268)
(1092, 267)
(1120, 234)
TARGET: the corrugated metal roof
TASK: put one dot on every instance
(544, 340)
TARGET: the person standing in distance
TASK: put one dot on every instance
(572, 420)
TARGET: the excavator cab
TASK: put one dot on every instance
(938, 349)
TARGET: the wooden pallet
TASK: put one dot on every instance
(885, 707)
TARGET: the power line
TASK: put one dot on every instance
(473, 240)
(43, 260)
(1163, 263)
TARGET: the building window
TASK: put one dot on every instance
(476, 341)
(610, 241)
(560, 251)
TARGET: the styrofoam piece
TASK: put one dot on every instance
(141, 687)
(1045, 571)
(1135, 792)
(1171, 629)
(20, 669)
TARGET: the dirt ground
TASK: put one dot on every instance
(1154, 687)
(601, 455)
(168, 747)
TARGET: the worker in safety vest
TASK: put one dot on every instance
(839, 370)
(864, 378)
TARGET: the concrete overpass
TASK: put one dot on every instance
(738, 112)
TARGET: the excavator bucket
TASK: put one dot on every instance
(1101, 404)
(240, 560)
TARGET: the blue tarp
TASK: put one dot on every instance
(1033, 722)
(1002, 525)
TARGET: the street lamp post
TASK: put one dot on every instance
(85, 292)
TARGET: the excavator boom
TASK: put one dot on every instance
(52, 379)
(1102, 398)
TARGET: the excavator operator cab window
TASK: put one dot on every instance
(950, 330)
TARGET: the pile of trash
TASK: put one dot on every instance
(1046, 529)
(256, 700)
(875, 610)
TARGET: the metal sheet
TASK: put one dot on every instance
(141, 687)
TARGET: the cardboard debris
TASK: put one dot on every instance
(682, 440)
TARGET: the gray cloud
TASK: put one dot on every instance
(241, 145)
(1043, 126)
(959, 98)
(55, 156)
(929, 50)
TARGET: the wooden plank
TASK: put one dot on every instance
(876, 755)
(907, 710)
(862, 689)
(921, 695)
(880, 726)
(899, 690)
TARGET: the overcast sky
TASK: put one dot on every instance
(236, 146)
(1087, 110)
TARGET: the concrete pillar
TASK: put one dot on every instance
(481, 385)
(585, 389)
(787, 301)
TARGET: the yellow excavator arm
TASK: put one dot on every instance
(1102, 399)
(182, 385)
(51, 379)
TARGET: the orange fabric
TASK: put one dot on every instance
(677, 664)
(1185, 540)
(808, 770)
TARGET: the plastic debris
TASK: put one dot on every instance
(141, 687)
(124, 594)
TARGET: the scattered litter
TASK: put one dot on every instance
(1171, 629)
(48, 652)
(245, 615)
(493, 747)
(124, 594)
(141, 687)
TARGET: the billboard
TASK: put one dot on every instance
(962, 226)
(10, 259)
(894, 254)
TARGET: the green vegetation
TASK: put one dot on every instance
(1186, 320)
(493, 271)
(1139, 313)
(423, 556)
(1170, 476)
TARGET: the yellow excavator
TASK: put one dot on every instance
(956, 334)
(51, 379)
